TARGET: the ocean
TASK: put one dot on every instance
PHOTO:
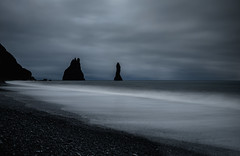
(201, 112)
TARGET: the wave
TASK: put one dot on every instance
(204, 117)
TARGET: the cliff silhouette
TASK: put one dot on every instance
(10, 69)
(117, 75)
(74, 71)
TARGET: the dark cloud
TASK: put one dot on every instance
(169, 39)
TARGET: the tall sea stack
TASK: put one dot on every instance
(10, 69)
(74, 71)
(118, 70)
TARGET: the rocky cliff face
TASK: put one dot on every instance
(117, 75)
(74, 71)
(10, 69)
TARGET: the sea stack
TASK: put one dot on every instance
(10, 69)
(74, 71)
(118, 70)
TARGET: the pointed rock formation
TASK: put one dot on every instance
(10, 69)
(74, 71)
(118, 70)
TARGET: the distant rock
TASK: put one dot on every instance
(118, 70)
(45, 80)
(10, 69)
(74, 71)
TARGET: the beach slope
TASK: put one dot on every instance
(26, 131)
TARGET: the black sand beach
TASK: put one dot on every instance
(26, 131)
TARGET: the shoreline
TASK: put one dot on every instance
(25, 130)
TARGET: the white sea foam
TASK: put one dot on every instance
(200, 117)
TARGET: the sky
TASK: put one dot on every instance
(151, 39)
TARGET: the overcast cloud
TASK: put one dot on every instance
(152, 39)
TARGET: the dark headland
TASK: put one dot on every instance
(10, 69)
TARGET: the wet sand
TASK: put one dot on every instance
(27, 131)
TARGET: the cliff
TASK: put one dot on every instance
(74, 71)
(10, 69)
(117, 75)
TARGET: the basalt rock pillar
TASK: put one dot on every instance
(74, 71)
(117, 75)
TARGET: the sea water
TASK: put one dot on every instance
(204, 112)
